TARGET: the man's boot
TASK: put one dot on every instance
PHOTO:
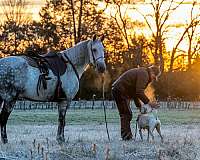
(126, 133)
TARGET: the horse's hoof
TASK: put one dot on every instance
(4, 140)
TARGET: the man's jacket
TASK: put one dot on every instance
(132, 84)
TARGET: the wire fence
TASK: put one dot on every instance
(83, 104)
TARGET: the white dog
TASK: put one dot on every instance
(147, 120)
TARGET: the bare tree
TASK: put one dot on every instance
(132, 44)
(121, 20)
(16, 11)
(159, 16)
(190, 31)
(193, 36)
(83, 11)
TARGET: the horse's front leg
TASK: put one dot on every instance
(6, 110)
(62, 108)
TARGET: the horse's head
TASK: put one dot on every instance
(96, 53)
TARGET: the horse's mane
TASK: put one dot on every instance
(78, 50)
(77, 46)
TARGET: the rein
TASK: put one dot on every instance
(74, 68)
(70, 62)
(104, 107)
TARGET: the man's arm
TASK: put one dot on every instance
(141, 83)
(137, 103)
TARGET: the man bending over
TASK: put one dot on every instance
(131, 85)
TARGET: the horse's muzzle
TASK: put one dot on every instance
(101, 67)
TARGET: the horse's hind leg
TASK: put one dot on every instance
(5, 112)
(62, 108)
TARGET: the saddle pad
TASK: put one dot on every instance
(55, 63)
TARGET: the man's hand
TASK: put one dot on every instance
(154, 104)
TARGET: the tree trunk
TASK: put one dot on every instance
(190, 55)
(172, 60)
(74, 20)
(79, 22)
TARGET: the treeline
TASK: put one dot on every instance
(172, 86)
(63, 23)
(184, 85)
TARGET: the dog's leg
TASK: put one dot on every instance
(159, 132)
(148, 135)
(140, 131)
(151, 133)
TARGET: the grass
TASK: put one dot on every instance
(89, 116)
(180, 116)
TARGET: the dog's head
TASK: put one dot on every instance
(146, 108)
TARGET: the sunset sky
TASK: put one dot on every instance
(180, 16)
(33, 7)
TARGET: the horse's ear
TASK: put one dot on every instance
(102, 38)
(94, 37)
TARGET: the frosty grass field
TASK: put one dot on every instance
(32, 135)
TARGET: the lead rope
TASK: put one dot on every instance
(104, 107)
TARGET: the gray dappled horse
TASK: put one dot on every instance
(19, 80)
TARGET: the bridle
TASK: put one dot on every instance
(95, 60)
(103, 91)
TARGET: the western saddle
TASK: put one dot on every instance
(52, 61)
